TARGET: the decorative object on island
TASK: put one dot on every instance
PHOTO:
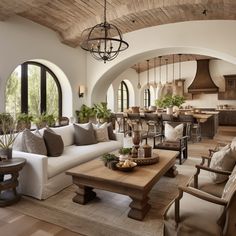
(169, 102)
(8, 135)
(124, 153)
(104, 41)
(102, 112)
(23, 121)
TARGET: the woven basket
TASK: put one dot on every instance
(147, 160)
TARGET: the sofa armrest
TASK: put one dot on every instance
(34, 174)
(120, 138)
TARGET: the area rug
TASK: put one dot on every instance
(107, 214)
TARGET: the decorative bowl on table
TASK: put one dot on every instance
(126, 165)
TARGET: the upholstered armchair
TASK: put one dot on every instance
(195, 212)
(211, 178)
(173, 137)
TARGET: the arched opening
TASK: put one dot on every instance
(38, 86)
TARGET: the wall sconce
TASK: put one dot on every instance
(81, 91)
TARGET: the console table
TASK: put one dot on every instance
(8, 193)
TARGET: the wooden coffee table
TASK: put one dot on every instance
(136, 184)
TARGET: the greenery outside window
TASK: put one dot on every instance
(123, 97)
(147, 98)
(33, 88)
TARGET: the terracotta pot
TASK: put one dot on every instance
(135, 109)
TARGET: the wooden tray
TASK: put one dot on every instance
(147, 160)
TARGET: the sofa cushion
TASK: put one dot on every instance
(222, 160)
(230, 185)
(101, 132)
(66, 133)
(84, 134)
(75, 155)
(173, 133)
(53, 142)
(19, 144)
(111, 134)
(34, 143)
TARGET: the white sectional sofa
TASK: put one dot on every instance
(44, 176)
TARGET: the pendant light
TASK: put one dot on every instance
(180, 72)
(148, 84)
(159, 81)
(167, 82)
(99, 40)
(139, 85)
(155, 73)
(173, 80)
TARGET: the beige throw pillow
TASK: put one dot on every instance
(222, 160)
(101, 132)
(34, 143)
(230, 185)
(173, 133)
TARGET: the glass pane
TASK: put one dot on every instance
(13, 92)
(52, 96)
(34, 90)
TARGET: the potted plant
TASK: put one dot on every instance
(85, 113)
(23, 121)
(44, 119)
(102, 112)
(124, 153)
(109, 157)
(8, 135)
(169, 102)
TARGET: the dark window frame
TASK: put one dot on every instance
(124, 89)
(147, 98)
(43, 87)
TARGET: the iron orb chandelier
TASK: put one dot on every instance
(104, 41)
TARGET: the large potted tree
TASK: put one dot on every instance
(169, 102)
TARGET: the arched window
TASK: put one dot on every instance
(34, 89)
(147, 98)
(123, 97)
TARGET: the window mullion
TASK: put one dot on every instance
(24, 88)
(43, 90)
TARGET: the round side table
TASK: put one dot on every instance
(8, 193)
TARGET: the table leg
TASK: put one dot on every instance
(139, 208)
(84, 194)
(172, 172)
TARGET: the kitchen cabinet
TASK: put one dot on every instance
(227, 117)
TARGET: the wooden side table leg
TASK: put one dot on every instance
(172, 172)
(84, 194)
(139, 208)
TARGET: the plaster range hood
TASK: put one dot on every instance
(203, 82)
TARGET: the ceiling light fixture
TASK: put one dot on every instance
(167, 83)
(159, 81)
(104, 41)
(173, 80)
(148, 84)
(139, 85)
(180, 72)
(155, 73)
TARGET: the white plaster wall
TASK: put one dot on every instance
(184, 37)
(22, 40)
